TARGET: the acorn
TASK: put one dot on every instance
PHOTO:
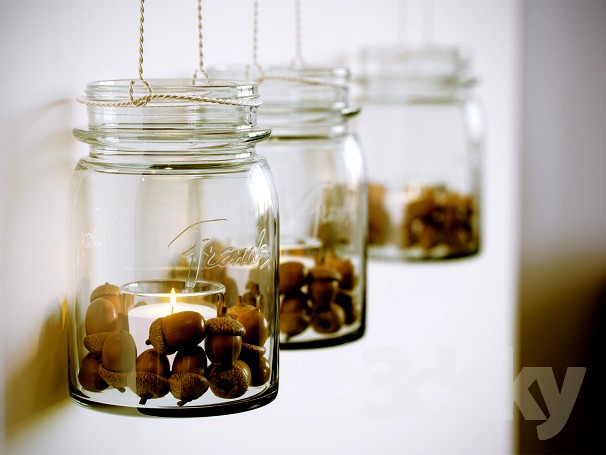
(94, 342)
(246, 369)
(292, 276)
(224, 339)
(228, 381)
(151, 378)
(255, 325)
(294, 317)
(323, 285)
(346, 300)
(101, 319)
(328, 320)
(187, 381)
(177, 331)
(260, 370)
(109, 292)
(88, 376)
(118, 359)
(101, 316)
(345, 268)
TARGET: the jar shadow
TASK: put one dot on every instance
(40, 381)
(39, 157)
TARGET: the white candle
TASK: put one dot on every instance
(141, 317)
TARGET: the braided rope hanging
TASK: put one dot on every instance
(143, 100)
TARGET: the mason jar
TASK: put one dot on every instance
(422, 126)
(320, 177)
(173, 301)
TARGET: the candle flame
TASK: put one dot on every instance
(173, 300)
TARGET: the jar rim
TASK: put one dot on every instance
(117, 90)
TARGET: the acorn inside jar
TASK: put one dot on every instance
(187, 354)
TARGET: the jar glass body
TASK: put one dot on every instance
(320, 175)
(423, 128)
(174, 226)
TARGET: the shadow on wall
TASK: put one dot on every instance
(40, 149)
(40, 381)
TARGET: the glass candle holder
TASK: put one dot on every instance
(173, 302)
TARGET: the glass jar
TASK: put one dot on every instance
(174, 233)
(321, 180)
(320, 176)
(423, 128)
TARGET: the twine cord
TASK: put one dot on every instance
(143, 100)
(200, 69)
(297, 62)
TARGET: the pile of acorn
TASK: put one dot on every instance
(233, 343)
(437, 216)
(320, 297)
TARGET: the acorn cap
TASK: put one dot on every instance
(118, 380)
(148, 385)
(156, 338)
(228, 382)
(94, 341)
(249, 350)
(187, 387)
(224, 325)
(239, 308)
(104, 289)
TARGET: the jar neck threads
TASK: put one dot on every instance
(194, 116)
(430, 75)
(301, 101)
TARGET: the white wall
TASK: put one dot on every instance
(51, 49)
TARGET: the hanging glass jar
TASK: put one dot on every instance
(174, 234)
(423, 127)
(321, 181)
(320, 176)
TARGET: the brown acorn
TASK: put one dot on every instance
(94, 342)
(323, 285)
(101, 316)
(118, 359)
(152, 372)
(292, 276)
(224, 339)
(260, 370)
(255, 324)
(246, 369)
(88, 376)
(109, 292)
(228, 381)
(187, 381)
(345, 268)
(294, 317)
(177, 331)
(346, 300)
(328, 320)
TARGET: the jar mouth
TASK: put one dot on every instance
(424, 75)
(118, 90)
(299, 101)
(186, 114)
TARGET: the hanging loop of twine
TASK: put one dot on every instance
(145, 99)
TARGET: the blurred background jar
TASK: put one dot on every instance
(320, 176)
(174, 228)
(422, 129)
